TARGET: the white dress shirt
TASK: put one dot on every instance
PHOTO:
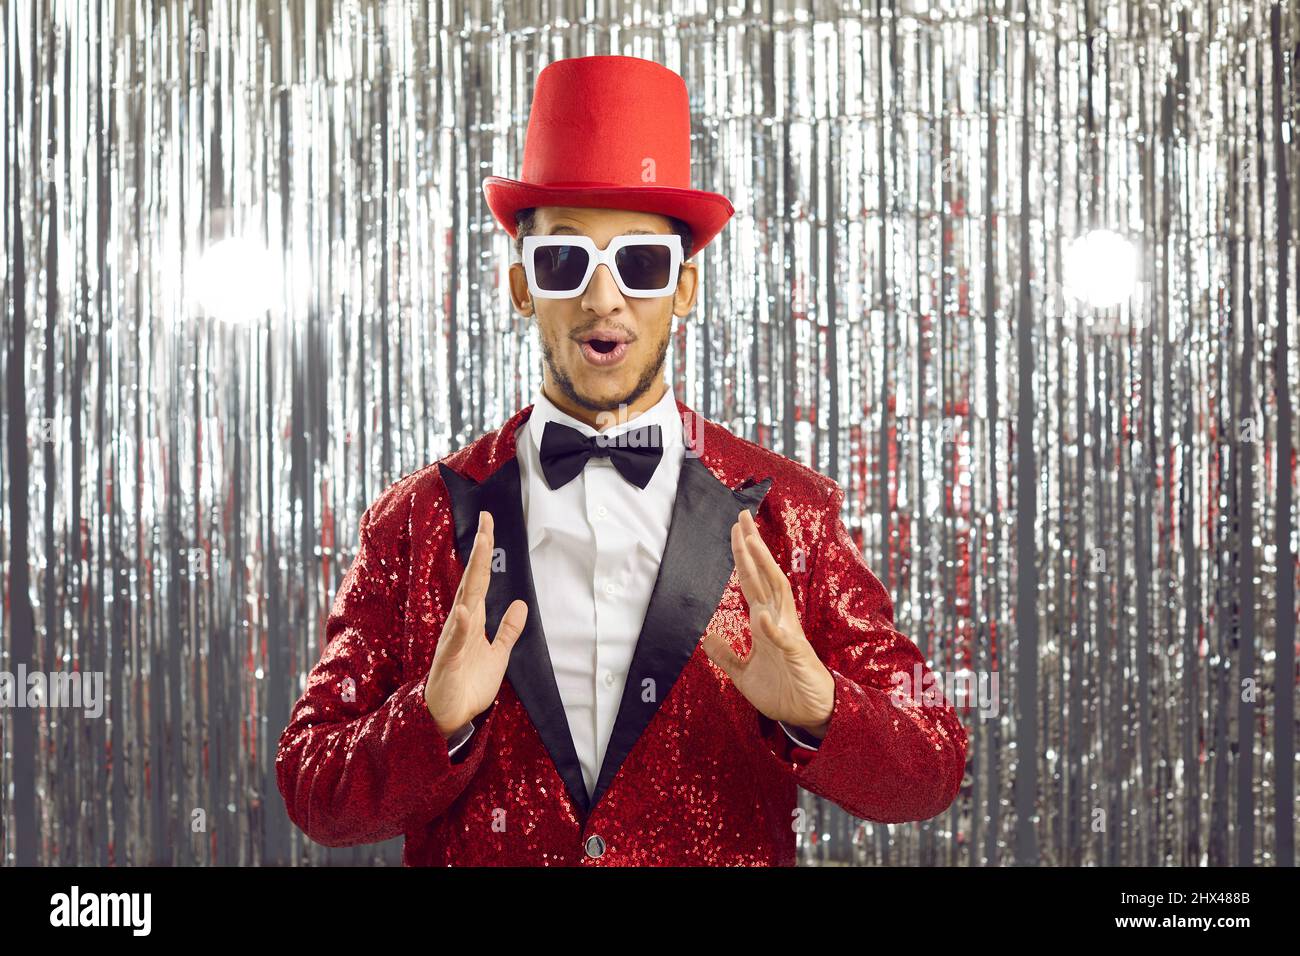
(598, 541)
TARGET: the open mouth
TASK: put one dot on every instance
(603, 348)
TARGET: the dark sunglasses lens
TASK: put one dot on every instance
(559, 268)
(644, 266)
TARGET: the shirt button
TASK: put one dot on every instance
(609, 678)
(602, 511)
(610, 589)
(594, 846)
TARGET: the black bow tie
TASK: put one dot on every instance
(565, 451)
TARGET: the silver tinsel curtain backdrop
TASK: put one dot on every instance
(249, 279)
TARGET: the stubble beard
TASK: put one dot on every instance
(652, 374)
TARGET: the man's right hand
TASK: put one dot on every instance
(467, 669)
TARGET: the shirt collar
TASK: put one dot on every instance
(545, 509)
(663, 413)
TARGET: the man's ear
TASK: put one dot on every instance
(519, 297)
(688, 284)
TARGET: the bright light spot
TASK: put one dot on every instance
(237, 280)
(1101, 268)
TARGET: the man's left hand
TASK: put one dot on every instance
(781, 676)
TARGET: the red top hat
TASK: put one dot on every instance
(611, 132)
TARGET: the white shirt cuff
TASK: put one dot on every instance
(804, 739)
(458, 739)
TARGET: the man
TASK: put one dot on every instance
(610, 632)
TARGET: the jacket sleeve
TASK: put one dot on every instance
(362, 760)
(893, 751)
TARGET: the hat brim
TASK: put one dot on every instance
(705, 212)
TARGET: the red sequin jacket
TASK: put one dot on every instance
(693, 773)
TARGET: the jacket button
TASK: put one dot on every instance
(594, 846)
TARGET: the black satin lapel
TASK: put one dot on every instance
(529, 671)
(696, 566)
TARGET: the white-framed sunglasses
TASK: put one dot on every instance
(559, 267)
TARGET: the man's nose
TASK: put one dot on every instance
(602, 294)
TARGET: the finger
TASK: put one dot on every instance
(480, 564)
(719, 651)
(763, 559)
(511, 627)
(767, 568)
(772, 572)
(765, 626)
(752, 584)
(454, 640)
(466, 578)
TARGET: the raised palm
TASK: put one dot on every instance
(781, 675)
(467, 669)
